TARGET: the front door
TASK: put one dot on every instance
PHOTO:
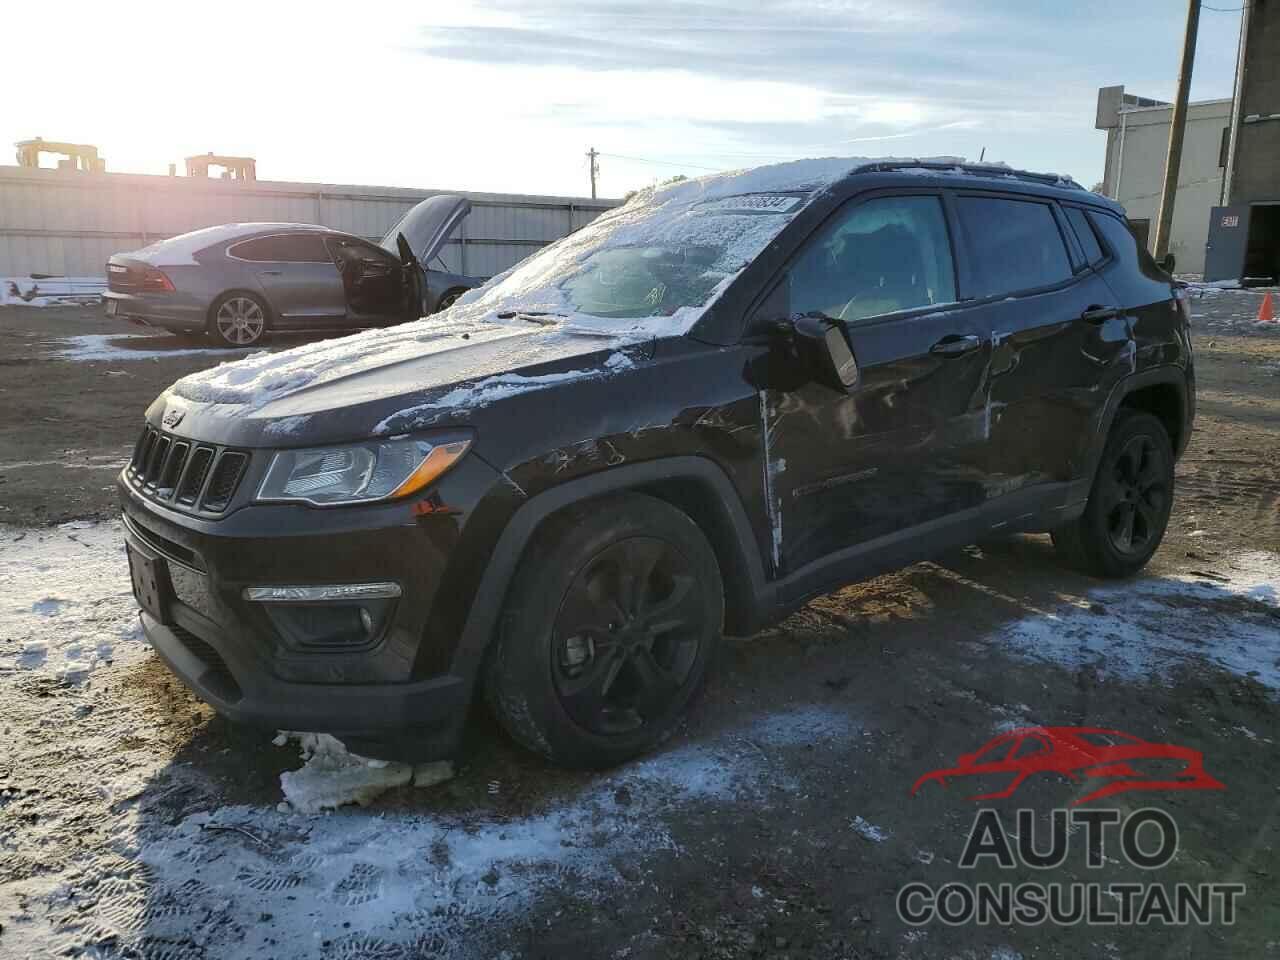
(898, 450)
(373, 281)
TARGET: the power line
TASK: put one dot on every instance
(661, 163)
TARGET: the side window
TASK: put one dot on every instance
(1119, 236)
(882, 256)
(304, 248)
(261, 250)
(283, 248)
(1084, 233)
(1016, 243)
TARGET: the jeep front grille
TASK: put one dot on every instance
(189, 475)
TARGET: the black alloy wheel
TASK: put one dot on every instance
(1129, 503)
(1135, 496)
(605, 637)
(627, 636)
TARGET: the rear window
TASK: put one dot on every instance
(1017, 245)
(1084, 233)
(283, 248)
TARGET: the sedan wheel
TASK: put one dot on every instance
(240, 321)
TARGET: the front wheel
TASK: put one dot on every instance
(238, 320)
(449, 299)
(1129, 504)
(613, 616)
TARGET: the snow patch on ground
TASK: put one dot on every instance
(51, 292)
(260, 882)
(1155, 626)
(95, 347)
(48, 622)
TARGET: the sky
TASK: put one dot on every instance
(507, 96)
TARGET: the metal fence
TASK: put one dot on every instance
(67, 223)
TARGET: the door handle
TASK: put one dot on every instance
(954, 345)
(1100, 314)
(272, 273)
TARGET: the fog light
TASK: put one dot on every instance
(345, 625)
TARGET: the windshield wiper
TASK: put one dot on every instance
(543, 317)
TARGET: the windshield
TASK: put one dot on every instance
(649, 266)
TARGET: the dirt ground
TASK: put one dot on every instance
(777, 823)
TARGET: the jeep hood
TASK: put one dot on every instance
(432, 372)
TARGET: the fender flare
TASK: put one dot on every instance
(490, 595)
(1176, 376)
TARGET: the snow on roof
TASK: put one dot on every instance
(681, 214)
(179, 250)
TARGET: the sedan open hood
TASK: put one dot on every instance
(428, 225)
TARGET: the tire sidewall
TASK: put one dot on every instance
(522, 653)
(212, 326)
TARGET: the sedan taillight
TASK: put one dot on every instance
(154, 280)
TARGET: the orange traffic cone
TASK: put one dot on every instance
(1266, 312)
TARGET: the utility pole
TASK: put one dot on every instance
(593, 165)
(1177, 128)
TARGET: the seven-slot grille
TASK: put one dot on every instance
(199, 477)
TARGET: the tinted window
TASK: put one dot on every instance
(1016, 243)
(1080, 224)
(880, 257)
(286, 248)
(1119, 237)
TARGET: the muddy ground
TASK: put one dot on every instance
(778, 822)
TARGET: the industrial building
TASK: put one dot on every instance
(1137, 144)
(67, 222)
(1244, 233)
(1226, 221)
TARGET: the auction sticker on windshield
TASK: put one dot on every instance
(754, 203)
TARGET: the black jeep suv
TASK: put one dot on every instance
(713, 403)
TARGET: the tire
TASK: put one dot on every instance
(595, 662)
(239, 319)
(1129, 503)
(449, 299)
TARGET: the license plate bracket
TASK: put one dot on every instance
(112, 307)
(151, 587)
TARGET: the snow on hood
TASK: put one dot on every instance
(687, 213)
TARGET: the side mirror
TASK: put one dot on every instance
(821, 346)
(1167, 263)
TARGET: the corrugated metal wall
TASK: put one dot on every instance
(66, 223)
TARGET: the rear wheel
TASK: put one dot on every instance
(1129, 505)
(238, 319)
(611, 621)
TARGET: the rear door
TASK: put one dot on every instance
(297, 275)
(1057, 336)
(842, 468)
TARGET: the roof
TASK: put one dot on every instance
(179, 250)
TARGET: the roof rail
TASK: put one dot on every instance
(973, 169)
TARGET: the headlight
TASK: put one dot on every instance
(359, 472)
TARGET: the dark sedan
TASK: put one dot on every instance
(239, 281)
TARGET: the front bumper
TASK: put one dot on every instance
(235, 656)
